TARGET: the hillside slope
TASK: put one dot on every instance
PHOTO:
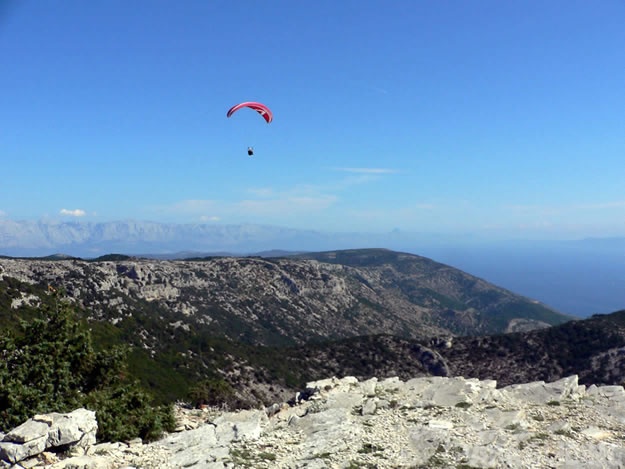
(291, 300)
(593, 349)
(268, 325)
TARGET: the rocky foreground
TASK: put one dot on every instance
(420, 423)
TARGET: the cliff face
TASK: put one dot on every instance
(283, 301)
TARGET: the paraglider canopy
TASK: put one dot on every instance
(258, 107)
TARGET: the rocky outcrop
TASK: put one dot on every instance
(282, 301)
(74, 432)
(422, 422)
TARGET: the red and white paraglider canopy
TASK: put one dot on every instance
(258, 107)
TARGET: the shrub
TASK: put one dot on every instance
(213, 392)
(124, 412)
(49, 365)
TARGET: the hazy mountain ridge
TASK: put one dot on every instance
(579, 277)
(87, 239)
(91, 239)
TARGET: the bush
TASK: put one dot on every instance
(50, 366)
(124, 413)
(213, 392)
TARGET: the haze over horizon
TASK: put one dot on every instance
(501, 120)
(574, 277)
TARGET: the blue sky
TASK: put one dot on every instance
(499, 119)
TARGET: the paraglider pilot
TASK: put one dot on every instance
(250, 151)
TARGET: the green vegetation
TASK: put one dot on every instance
(242, 457)
(559, 351)
(218, 362)
(538, 438)
(265, 456)
(503, 313)
(464, 405)
(370, 448)
(247, 458)
(50, 365)
(111, 257)
(213, 392)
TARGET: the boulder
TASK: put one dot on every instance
(76, 430)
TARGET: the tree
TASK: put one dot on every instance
(50, 366)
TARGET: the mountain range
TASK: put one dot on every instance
(292, 300)
(89, 239)
(277, 321)
(577, 277)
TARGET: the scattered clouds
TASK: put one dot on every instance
(564, 208)
(367, 86)
(3, 213)
(357, 176)
(408, 213)
(299, 200)
(261, 191)
(259, 203)
(206, 218)
(298, 204)
(275, 204)
(73, 213)
(206, 211)
(379, 89)
(565, 220)
(191, 207)
(602, 205)
(285, 206)
(367, 170)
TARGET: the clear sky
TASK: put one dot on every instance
(498, 118)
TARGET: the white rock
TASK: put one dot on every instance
(596, 433)
(412, 424)
(442, 424)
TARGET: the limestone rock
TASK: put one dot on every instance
(76, 429)
(423, 422)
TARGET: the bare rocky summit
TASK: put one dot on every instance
(430, 422)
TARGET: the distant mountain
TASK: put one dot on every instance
(580, 277)
(84, 239)
(88, 240)
(37, 238)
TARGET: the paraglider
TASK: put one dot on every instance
(260, 108)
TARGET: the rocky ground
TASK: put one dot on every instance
(420, 423)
